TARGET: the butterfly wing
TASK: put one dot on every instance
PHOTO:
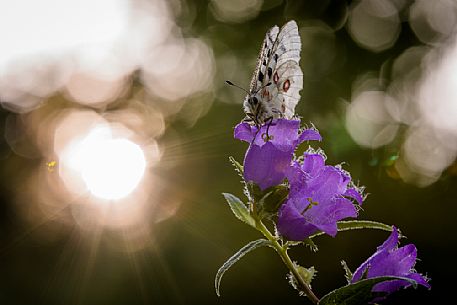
(258, 78)
(286, 74)
(290, 82)
(277, 78)
(256, 112)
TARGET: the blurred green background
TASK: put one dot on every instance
(177, 266)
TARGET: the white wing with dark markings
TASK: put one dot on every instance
(278, 79)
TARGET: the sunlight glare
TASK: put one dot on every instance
(110, 168)
(80, 23)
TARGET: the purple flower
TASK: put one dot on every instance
(266, 160)
(318, 198)
(393, 261)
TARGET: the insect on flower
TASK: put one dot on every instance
(277, 79)
(51, 165)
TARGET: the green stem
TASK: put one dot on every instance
(282, 251)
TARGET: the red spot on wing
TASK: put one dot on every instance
(286, 85)
(276, 78)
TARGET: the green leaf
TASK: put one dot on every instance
(236, 257)
(239, 209)
(359, 293)
(237, 165)
(357, 225)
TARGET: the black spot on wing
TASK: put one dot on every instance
(260, 76)
(270, 72)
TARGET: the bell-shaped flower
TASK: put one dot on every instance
(320, 195)
(390, 260)
(271, 149)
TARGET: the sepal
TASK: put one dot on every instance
(347, 271)
(307, 274)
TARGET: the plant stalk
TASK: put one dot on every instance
(282, 251)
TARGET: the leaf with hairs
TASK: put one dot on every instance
(236, 257)
(239, 209)
(359, 293)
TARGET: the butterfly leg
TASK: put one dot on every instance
(259, 129)
(266, 137)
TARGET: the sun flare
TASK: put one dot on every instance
(111, 168)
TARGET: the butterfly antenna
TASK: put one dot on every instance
(234, 85)
(266, 85)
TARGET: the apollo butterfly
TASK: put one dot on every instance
(275, 86)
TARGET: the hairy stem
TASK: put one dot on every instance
(282, 251)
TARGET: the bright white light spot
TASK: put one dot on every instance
(30, 27)
(114, 169)
(110, 168)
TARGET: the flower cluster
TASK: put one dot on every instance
(305, 197)
(319, 196)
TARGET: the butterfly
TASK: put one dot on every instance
(277, 79)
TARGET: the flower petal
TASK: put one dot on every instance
(354, 194)
(297, 179)
(244, 132)
(292, 225)
(420, 279)
(310, 134)
(259, 168)
(283, 134)
(324, 215)
(397, 262)
(313, 164)
(325, 186)
(390, 242)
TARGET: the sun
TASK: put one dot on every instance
(111, 168)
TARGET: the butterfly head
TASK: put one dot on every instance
(251, 104)
(252, 107)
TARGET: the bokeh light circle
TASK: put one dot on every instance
(114, 170)
(111, 168)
